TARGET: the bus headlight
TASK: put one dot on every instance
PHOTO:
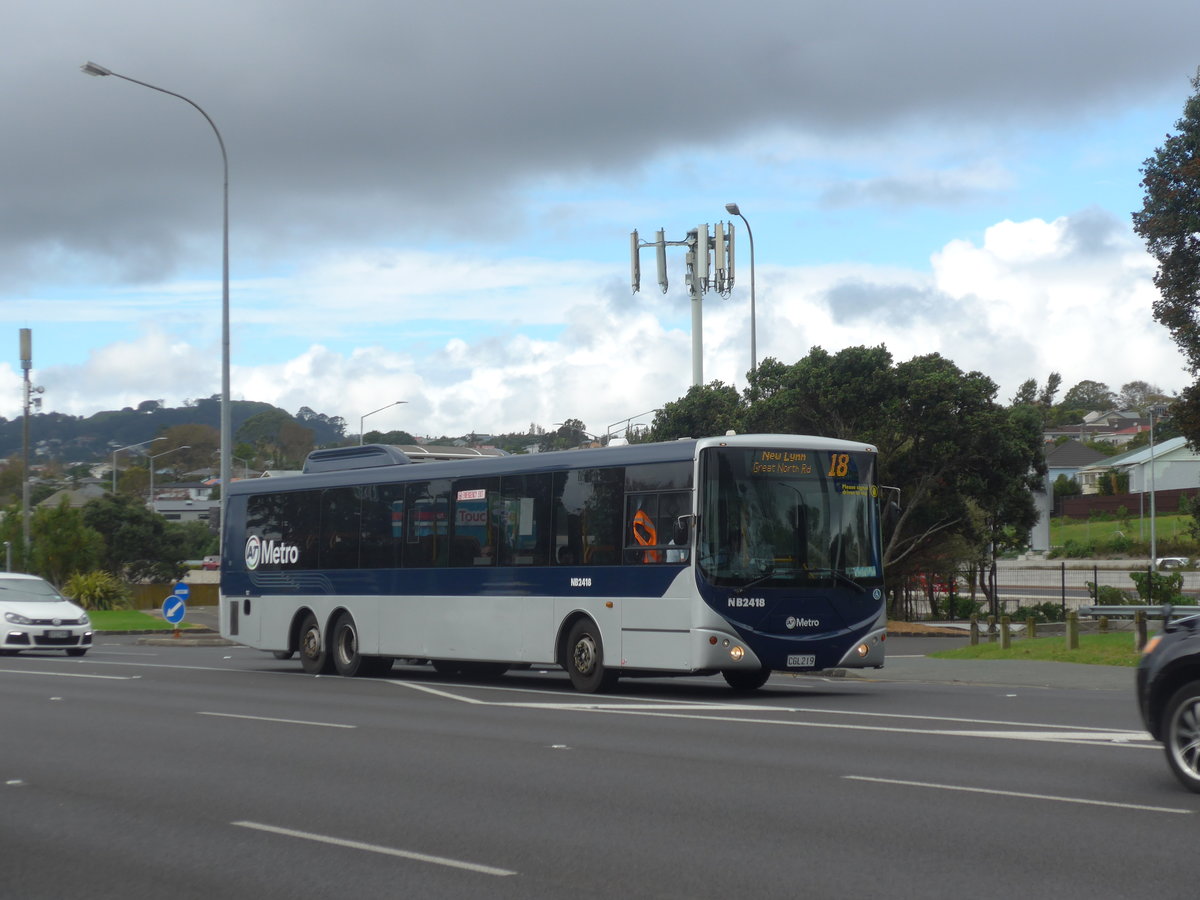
(736, 653)
(863, 650)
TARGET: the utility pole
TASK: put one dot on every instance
(30, 400)
(709, 266)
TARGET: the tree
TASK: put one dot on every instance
(137, 543)
(1029, 395)
(570, 433)
(61, 543)
(1089, 396)
(1169, 223)
(704, 411)
(1141, 395)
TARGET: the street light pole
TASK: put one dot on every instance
(371, 413)
(92, 68)
(152, 459)
(732, 209)
(1153, 532)
(130, 447)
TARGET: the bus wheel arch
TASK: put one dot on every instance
(581, 653)
(312, 645)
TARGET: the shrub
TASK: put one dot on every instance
(1107, 595)
(1159, 588)
(1039, 612)
(98, 590)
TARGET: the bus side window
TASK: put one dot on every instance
(525, 520)
(382, 526)
(476, 533)
(427, 535)
(340, 528)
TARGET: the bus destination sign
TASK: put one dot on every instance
(781, 462)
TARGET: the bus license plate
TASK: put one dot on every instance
(807, 659)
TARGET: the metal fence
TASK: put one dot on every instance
(1068, 585)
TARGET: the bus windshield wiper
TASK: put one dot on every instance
(759, 580)
(839, 575)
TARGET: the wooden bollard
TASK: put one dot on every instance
(992, 629)
(1031, 627)
(1104, 624)
(1073, 630)
(974, 630)
(1005, 633)
(1139, 630)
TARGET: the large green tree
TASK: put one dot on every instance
(61, 543)
(704, 411)
(138, 545)
(963, 463)
(1169, 223)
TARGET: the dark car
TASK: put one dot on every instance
(1168, 689)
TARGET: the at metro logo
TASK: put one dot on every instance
(270, 552)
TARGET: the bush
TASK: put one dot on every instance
(1039, 612)
(1159, 588)
(98, 590)
(1107, 595)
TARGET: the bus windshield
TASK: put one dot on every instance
(788, 517)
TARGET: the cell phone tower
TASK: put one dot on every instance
(709, 266)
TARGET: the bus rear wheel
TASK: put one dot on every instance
(585, 660)
(746, 679)
(347, 659)
(314, 657)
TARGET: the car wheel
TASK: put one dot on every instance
(1181, 735)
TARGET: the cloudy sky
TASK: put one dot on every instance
(432, 202)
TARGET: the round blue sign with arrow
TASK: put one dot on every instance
(174, 608)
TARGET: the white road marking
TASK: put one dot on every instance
(1018, 794)
(279, 721)
(376, 848)
(65, 674)
(1068, 734)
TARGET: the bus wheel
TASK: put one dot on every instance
(315, 659)
(347, 659)
(746, 679)
(585, 659)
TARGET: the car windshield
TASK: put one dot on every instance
(28, 591)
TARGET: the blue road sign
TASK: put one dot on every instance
(174, 609)
(183, 590)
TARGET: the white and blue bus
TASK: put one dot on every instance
(742, 554)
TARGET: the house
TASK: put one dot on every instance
(1068, 458)
(1170, 465)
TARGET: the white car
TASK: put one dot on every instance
(35, 616)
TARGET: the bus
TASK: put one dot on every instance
(741, 555)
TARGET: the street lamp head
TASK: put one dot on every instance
(731, 208)
(92, 68)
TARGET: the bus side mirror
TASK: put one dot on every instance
(682, 534)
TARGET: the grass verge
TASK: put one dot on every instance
(130, 620)
(1114, 649)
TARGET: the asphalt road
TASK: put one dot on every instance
(144, 770)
